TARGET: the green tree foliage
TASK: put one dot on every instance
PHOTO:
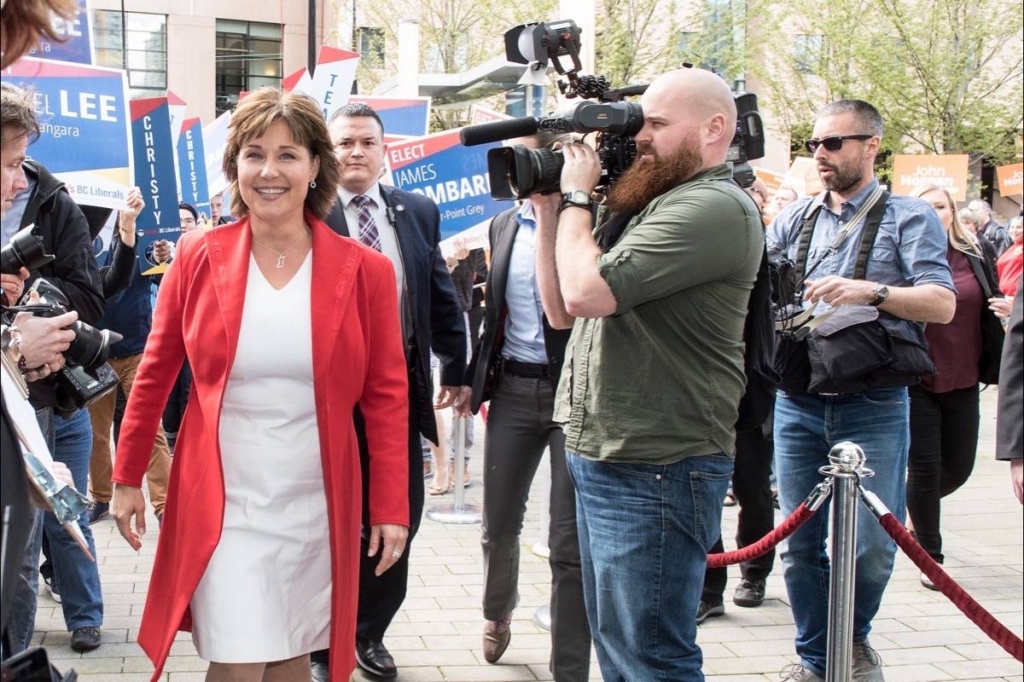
(946, 74)
(636, 39)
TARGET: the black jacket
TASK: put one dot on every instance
(65, 234)
(437, 322)
(482, 373)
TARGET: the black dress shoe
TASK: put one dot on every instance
(320, 671)
(374, 658)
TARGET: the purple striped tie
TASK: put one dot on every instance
(368, 233)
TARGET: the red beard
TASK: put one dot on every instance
(646, 180)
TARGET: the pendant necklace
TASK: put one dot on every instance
(281, 254)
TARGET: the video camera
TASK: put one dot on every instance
(516, 172)
(86, 375)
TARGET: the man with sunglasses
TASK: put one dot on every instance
(907, 276)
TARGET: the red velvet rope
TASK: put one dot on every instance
(996, 631)
(783, 531)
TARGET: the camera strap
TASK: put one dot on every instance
(612, 230)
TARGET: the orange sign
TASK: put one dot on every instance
(771, 179)
(803, 176)
(1010, 179)
(949, 171)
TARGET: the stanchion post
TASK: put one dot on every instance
(458, 512)
(846, 466)
(540, 547)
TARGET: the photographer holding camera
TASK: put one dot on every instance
(671, 295)
(62, 230)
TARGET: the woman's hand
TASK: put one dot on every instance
(1001, 306)
(394, 537)
(127, 503)
(126, 219)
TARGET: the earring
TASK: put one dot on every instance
(312, 184)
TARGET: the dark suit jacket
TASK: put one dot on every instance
(482, 372)
(1010, 417)
(437, 322)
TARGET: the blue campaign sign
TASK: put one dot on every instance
(192, 166)
(154, 174)
(85, 129)
(400, 115)
(215, 140)
(455, 177)
(75, 44)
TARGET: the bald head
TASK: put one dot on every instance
(698, 100)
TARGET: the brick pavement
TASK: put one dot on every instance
(919, 634)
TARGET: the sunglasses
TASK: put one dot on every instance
(832, 144)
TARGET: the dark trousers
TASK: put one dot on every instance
(752, 487)
(519, 427)
(943, 446)
(380, 597)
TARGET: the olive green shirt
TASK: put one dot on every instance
(661, 378)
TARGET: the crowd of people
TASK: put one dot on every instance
(276, 398)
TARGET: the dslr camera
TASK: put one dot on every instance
(516, 172)
(86, 375)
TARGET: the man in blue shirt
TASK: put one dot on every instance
(906, 276)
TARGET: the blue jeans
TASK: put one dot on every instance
(806, 428)
(76, 577)
(644, 532)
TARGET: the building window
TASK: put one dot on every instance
(136, 42)
(371, 46)
(808, 51)
(248, 57)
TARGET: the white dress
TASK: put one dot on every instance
(266, 594)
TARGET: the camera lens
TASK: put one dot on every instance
(91, 346)
(24, 251)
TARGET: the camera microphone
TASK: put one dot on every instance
(497, 131)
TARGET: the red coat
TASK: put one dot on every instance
(358, 358)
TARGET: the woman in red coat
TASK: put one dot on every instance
(288, 328)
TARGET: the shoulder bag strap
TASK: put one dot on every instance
(867, 236)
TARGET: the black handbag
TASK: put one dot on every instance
(992, 331)
(859, 348)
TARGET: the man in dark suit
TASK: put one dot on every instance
(406, 228)
(1010, 416)
(516, 366)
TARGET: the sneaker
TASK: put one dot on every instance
(51, 587)
(867, 664)
(798, 673)
(749, 593)
(705, 611)
(85, 639)
(98, 510)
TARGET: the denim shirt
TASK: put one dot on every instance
(909, 249)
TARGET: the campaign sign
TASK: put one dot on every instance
(299, 81)
(85, 131)
(455, 177)
(192, 166)
(1010, 179)
(478, 114)
(332, 81)
(408, 116)
(75, 38)
(215, 141)
(154, 174)
(949, 171)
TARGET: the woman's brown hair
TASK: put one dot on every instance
(25, 21)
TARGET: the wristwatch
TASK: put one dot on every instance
(576, 198)
(881, 292)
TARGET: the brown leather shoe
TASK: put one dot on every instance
(497, 635)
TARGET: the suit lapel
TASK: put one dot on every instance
(405, 237)
(336, 263)
(336, 218)
(228, 251)
(501, 257)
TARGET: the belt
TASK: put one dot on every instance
(532, 370)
